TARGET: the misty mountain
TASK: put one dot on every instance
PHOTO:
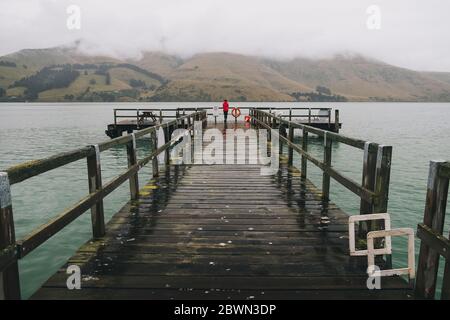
(158, 76)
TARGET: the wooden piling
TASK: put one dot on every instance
(304, 148)
(132, 160)
(329, 119)
(336, 121)
(290, 149)
(95, 184)
(167, 134)
(154, 143)
(434, 216)
(368, 182)
(382, 179)
(327, 144)
(9, 276)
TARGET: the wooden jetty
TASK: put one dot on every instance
(129, 120)
(220, 231)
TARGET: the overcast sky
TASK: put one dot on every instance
(413, 33)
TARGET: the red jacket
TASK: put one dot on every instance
(225, 106)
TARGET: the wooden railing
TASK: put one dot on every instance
(311, 114)
(433, 244)
(374, 187)
(159, 113)
(12, 250)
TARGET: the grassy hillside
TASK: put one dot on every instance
(158, 76)
(359, 78)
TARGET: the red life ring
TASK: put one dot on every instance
(235, 112)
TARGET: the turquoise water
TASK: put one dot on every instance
(418, 133)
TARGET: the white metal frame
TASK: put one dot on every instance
(369, 217)
(410, 270)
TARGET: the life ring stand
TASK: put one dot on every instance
(236, 112)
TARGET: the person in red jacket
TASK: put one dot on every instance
(225, 108)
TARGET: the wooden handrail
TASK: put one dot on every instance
(29, 169)
(357, 143)
(12, 250)
(351, 185)
(374, 188)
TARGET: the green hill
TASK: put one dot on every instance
(210, 77)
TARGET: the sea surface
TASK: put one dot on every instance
(418, 132)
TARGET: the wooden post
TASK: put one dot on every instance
(263, 119)
(268, 122)
(336, 120)
(309, 116)
(290, 149)
(290, 114)
(95, 184)
(192, 133)
(137, 118)
(167, 136)
(436, 201)
(160, 116)
(189, 121)
(382, 178)
(154, 143)
(9, 277)
(327, 144)
(445, 293)
(368, 182)
(184, 120)
(329, 118)
(305, 148)
(205, 119)
(132, 160)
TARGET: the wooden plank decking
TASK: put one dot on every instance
(223, 232)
